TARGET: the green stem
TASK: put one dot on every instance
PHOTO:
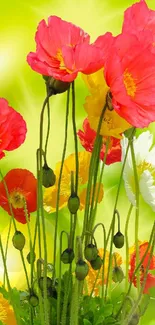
(75, 139)
(30, 240)
(127, 246)
(7, 244)
(48, 127)
(137, 210)
(59, 182)
(110, 255)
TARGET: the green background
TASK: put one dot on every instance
(25, 91)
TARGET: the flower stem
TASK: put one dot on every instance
(137, 210)
(127, 246)
(75, 139)
(7, 244)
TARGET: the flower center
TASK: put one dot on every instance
(129, 83)
(62, 64)
(17, 200)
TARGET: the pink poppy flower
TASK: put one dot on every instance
(64, 49)
(130, 72)
(87, 139)
(12, 128)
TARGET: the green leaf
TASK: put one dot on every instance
(86, 322)
(108, 310)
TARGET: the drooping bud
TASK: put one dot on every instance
(56, 86)
(41, 283)
(31, 257)
(117, 274)
(33, 300)
(67, 256)
(48, 178)
(97, 263)
(118, 240)
(134, 320)
(81, 270)
(73, 203)
(18, 240)
(90, 252)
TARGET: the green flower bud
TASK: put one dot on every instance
(118, 240)
(49, 177)
(33, 300)
(41, 283)
(90, 252)
(31, 256)
(117, 274)
(81, 270)
(18, 240)
(56, 86)
(73, 203)
(67, 256)
(134, 320)
(97, 263)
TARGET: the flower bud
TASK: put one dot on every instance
(31, 257)
(81, 270)
(90, 252)
(49, 177)
(67, 256)
(134, 320)
(97, 263)
(33, 300)
(18, 240)
(41, 283)
(73, 203)
(56, 86)
(117, 274)
(118, 240)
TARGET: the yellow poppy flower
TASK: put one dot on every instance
(113, 124)
(50, 194)
(90, 278)
(7, 315)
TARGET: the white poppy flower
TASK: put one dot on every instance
(145, 162)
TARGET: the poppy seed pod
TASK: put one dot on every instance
(33, 300)
(117, 274)
(73, 203)
(118, 240)
(56, 86)
(29, 257)
(81, 270)
(90, 252)
(18, 240)
(41, 283)
(67, 256)
(97, 263)
(48, 177)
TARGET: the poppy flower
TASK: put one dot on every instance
(112, 125)
(50, 194)
(64, 49)
(87, 139)
(22, 187)
(150, 279)
(12, 128)
(92, 274)
(129, 72)
(7, 315)
(145, 163)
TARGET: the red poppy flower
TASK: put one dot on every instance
(12, 128)
(150, 280)
(22, 186)
(130, 72)
(87, 139)
(63, 50)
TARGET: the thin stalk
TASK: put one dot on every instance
(6, 248)
(75, 139)
(127, 246)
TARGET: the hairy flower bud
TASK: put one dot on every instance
(67, 256)
(97, 263)
(33, 300)
(41, 283)
(18, 240)
(56, 86)
(90, 252)
(117, 274)
(48, 177)
(31, 257)
(81, 270)
(118, 240)
(73, 203)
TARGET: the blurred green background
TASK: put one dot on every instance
(25, 91)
